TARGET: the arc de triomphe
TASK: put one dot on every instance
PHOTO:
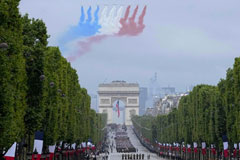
(128, 93)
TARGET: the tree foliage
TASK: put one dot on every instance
(12, 75)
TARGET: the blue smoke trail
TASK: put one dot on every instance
(85, 28)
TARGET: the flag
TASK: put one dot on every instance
(51, 151)
(84, 145)
(235, 150)
(170, 147)
(66, 146)
(93, 147)
(89, 144)
(195, 147)
(189, 148)
(225, 145)
(38, 145)
(177, 147)
(239, 148)
(183, 147)
(74, 146)
(60, 146)
(117, 105)
(213, 149)
(10, 155)
(204, 148)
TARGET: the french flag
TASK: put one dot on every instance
(189, 148)
(10, 155)
(74, 146)
(239, 148)
(195, 147)
(204, 148)
(183, 147)
(38, 145)
(225, 146)
(235, 150)
(177, 147)
(51, 151)
(213, 149)
(117, 105)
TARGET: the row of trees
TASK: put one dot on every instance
(39, 90)
(206, 114)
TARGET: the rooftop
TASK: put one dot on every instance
(118, 84)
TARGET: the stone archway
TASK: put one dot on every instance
(128, 93)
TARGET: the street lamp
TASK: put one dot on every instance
(3, 45)
(42, 77)
(51, 84)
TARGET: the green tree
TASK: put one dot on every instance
(51, 97)
(13, 75)
(35, 45)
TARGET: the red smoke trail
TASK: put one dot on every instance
(85, 46)
(129, 26)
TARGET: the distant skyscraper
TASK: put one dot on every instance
(154, 87)
(143, 96)
(153, 91)
(94, 104)
(167, 91)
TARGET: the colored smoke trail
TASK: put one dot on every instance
(129, 26)
(85, 27)
(111, 25)
(85, 46)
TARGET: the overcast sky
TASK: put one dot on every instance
(186, 42)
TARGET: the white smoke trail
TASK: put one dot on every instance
(106, 22)
(116, 21)
(110, 22)
(103, 15)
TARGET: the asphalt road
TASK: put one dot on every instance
(141, 149)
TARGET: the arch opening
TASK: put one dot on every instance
(118, 117)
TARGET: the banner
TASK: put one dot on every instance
(10, 155)
(51, 151)
(38, 145)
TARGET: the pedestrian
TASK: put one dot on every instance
(149, 156)
(95, 156)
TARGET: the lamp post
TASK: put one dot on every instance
(3, 45)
